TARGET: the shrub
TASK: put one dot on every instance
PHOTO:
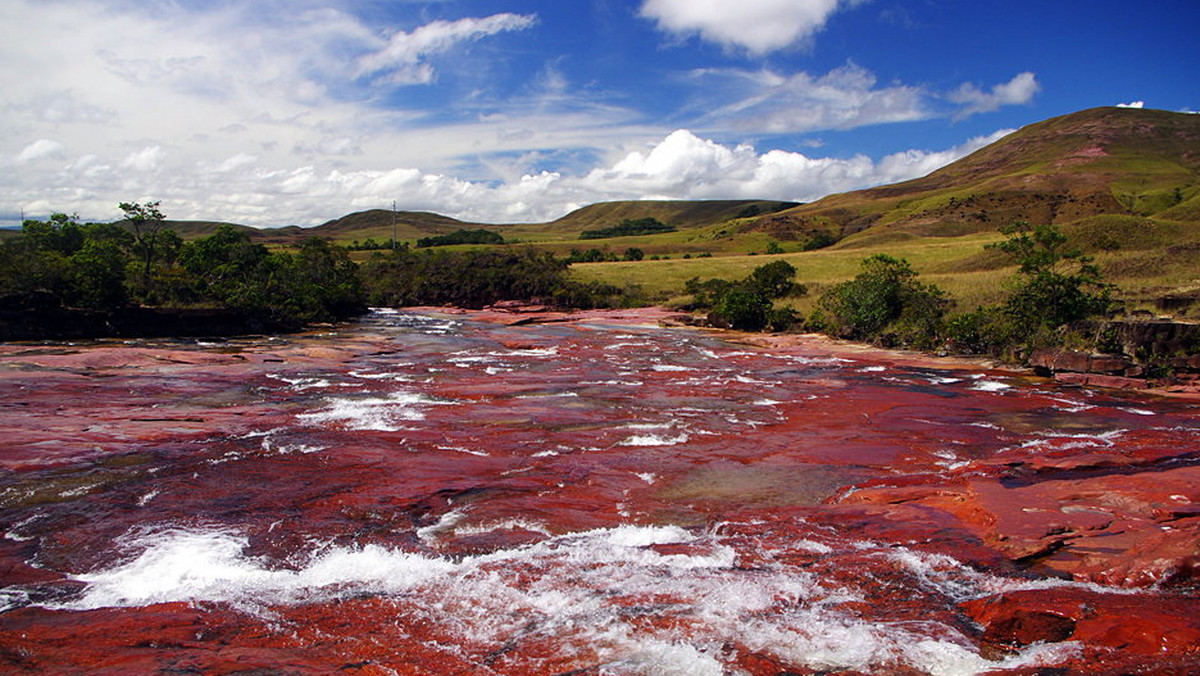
(474, 279)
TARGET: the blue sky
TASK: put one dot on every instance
(276, 112)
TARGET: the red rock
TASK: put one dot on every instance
(1130, 629)
(1109, 365)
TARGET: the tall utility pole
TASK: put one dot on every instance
(393, 225)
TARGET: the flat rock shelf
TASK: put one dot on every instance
(430, 493)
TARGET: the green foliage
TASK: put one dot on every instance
(819, 240)
(78, 265)
(741, 308)
(634, 254)
(480, 236)
(884, 304)
(147, 224)
(475, 279)
(773, 248)
(592, 255)
(318, 283)
(628, 227)
(104, 267)
(370, 244)
(747, 305)
(1056, 285)
(98, 275)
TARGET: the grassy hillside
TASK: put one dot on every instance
(1104, 161)
(1123, 184)
(681, 214)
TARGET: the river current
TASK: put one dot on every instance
(424, 493)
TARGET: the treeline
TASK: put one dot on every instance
(628, 227)
(475, 279)
(139, 262)
(887, 305)
(479, 236)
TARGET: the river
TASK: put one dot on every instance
(426, 493)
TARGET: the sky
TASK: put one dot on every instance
(278, 112)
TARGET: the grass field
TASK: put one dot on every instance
(970, 274)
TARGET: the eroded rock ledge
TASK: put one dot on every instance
(1137, 355)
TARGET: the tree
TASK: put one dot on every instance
(147, 223)
(774, 279)
(98, 275)
(747, 304)
(884, 304)
(1056, 285)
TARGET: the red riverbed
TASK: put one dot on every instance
(424, 493)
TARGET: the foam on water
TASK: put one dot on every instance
(587, 587)
(381, 414)
(990, 386)
(302, 383)
(655, 440)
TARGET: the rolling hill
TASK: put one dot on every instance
(1103, 162)
(377, 224)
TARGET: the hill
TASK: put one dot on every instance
(377, 224)
(1100, 162)
(681, 214)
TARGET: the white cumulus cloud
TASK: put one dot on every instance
(1132, 104)
(758, 26)
(685, 166)
(146, 159)
(40, 149)
(1018, 90)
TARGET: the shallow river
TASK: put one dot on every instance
(424, 493)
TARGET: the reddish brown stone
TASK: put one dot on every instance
(1133, 629)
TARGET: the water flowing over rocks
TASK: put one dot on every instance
(530, 493)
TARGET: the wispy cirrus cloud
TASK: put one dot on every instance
(846, 97)
(777, 103)
(405, 59)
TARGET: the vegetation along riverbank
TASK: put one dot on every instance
(1072, 245)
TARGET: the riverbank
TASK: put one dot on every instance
(1066, 367)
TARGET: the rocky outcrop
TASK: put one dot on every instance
(1136, 355)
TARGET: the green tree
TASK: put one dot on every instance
(747, 305)
(884, 304)
(146, 223)
(742, 308)
(774, 279)
(1056, 283)
(98, 275)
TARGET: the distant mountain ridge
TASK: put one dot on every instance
(1122, 164)
(379, 224)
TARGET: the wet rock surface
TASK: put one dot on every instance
(434, 494)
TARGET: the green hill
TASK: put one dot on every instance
(1098, 162)
(684, 215)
